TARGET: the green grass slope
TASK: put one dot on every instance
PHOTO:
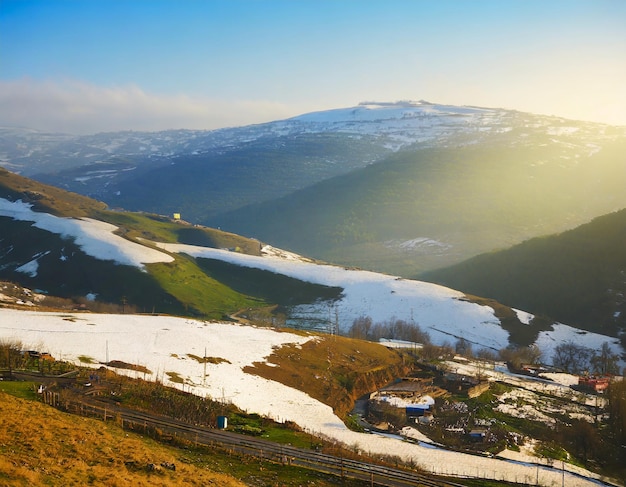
(577, 277)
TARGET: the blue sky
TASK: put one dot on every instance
(94, 65)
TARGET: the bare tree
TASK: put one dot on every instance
(360, 328)
(521, 355)
(572, 358)
(463, 347)
(486, 354)
(616, 396)
(605, 362)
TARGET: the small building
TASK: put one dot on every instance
(593, 383)
(419, 408)
(35, 354)
(465, 384)
(478, 434)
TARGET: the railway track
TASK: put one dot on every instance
(371, 474)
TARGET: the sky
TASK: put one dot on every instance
(85, 66)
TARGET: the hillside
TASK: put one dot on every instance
(79, 250)
(42, 446)
(400, 187)
(296, 377)
(426, 208)
(576, 277)
(129, 263)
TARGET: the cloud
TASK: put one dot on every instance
(78, 107)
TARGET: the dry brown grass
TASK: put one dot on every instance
(48, 198)
(334, 370)
(42, 446)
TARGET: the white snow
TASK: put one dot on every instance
(374, 112)
(94, 237)
(419, 244)
(423, 402)
(390, 343)
(549, 340)
(400, 124)
(438, 310)
(30, 268)
(164, 345)
(524, 316)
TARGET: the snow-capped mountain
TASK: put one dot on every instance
(403, 123)
(395, 125)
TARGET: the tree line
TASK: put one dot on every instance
(568, 357)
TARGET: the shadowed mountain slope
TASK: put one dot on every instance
(578, 276)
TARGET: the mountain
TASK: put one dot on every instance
(578, 276)
(401, 187)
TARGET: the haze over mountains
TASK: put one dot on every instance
(401, 187)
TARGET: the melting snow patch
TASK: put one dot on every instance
(523, 316)
(94, 237)
(30, 268)
(420, 244)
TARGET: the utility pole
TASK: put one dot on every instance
(204, 375)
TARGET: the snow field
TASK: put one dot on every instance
(95, 238)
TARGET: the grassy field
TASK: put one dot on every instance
(334, 370)
(40, 445)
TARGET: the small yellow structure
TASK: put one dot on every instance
(176, 216)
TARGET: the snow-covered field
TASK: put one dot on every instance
(440, 311)
(95, 238)
(436, 309)
(165, 346)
